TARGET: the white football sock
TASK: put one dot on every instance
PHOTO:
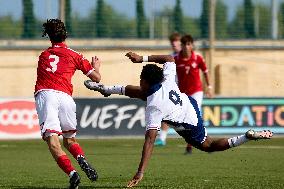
(116, 89)
(236, 141)
(163, 135)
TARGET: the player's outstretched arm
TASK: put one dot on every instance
(135, 92)
(150, 137)
(161, 59)
(209, 92)
(95, 75)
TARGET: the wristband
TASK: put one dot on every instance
(145, 58)
(209, 86)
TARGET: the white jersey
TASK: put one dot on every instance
(166, 103)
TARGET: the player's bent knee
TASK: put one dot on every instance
(67, 142)
(55, 148)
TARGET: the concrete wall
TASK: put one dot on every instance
(249, 72)
(18, 71)
(239, 72)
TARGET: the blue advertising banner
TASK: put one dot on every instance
(122, 117)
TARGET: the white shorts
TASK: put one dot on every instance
(56, 113)
(198, 96)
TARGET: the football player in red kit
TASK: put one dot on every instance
(175, 43)
(189, 63)
(55, 107)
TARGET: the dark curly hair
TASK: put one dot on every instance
(186, 38)
(55, 30)
(152, 73)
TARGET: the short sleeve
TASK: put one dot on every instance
(169, 71)
(201, 63)
(153, 118)
(84, 65)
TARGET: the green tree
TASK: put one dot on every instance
(178, 17)
(236, 26)
(125, 29)
(204, 23)
(29, 21)
(86, 27)
(221, 20)
(164, 22)
(102, 22)
(10, 28)
(264, 27)
(68, 18)
(281, 23)
(191, 26)
(249, 19)
(141, 26)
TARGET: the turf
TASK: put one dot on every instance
(257, 164)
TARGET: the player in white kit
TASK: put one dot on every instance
(166, 103)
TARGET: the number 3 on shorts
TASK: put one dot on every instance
(53, 63)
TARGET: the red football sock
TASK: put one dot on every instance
(76, 150)
(65, 164)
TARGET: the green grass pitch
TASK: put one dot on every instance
(257, 164)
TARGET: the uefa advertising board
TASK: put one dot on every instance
(99, 117)
(123, 117)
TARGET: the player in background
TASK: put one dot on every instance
(175, 43)
(188, 65)
(166, 103)
(55, 107)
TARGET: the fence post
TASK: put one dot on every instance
(274, 19)
(62, 10)
(152, 20)
(211, 19)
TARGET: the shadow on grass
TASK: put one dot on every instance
(80, 187)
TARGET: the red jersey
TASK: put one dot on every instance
(189, 81)
(56, 67)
